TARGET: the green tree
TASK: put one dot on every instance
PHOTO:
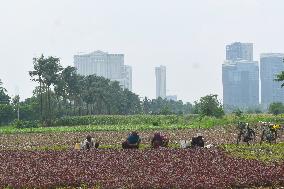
(276, 108)
(46, 72)
(280, 77)
(209, 106)
(146, 105)
(7, 113)
(6, 110)
(36, 75)
(30, 108)
(50, 76)
(68, 87)
(133, 104)
(4, 97)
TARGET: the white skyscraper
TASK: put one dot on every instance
(160, 81)
(110, 66)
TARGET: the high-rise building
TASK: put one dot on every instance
(239, 51)
(160, 81)
(128, 77)
(240, 77)
(271, 64)
(240, 84)
(110, 66)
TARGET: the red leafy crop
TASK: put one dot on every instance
(159, 168)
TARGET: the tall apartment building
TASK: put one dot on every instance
(271, 64)
(160, 81)
(240, 77)
(239, 51)
(240, 83)
(110, 66)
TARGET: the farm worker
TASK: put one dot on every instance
(159, 140)
(89, 143)
(197, 141)
(133, 140)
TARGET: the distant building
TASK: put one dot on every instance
(271, 64)
(160, 81)
(240, 77)
(127, 75)
(110, 66)
(239, 51)
(240, 84)
(172, 97)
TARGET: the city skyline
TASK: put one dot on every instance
(192, 49)
(248, 83)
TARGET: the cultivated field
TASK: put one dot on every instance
(45, 158)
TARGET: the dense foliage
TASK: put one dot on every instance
(6, 110)
(276, 108)
(209, 106)
(4, 97)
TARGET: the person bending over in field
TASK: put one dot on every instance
(132, 142)
(269, 132)
(246, 134)
(197, 142)
(159, 140)
(89, 143)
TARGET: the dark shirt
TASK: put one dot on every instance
(158, 138)
(133, 139)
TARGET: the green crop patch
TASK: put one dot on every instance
(264, 152)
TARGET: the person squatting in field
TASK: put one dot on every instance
(194, 143)
(132, 142)
(159, 140)
(89, 143)
(197, 142)
(246, 134)
(269, 132)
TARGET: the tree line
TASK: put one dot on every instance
(62, 92)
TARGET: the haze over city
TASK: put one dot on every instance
(188, 37)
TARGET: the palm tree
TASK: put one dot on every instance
(36, 75)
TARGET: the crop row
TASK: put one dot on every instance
(215, 136)
(154, 120)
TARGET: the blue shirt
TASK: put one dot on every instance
(133, 139)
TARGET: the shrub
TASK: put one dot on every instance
(155, 120)
(20, 124)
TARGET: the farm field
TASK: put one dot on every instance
(44, 157)
(48, 160)
(110, 168)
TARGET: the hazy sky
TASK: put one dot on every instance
(187, 36)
